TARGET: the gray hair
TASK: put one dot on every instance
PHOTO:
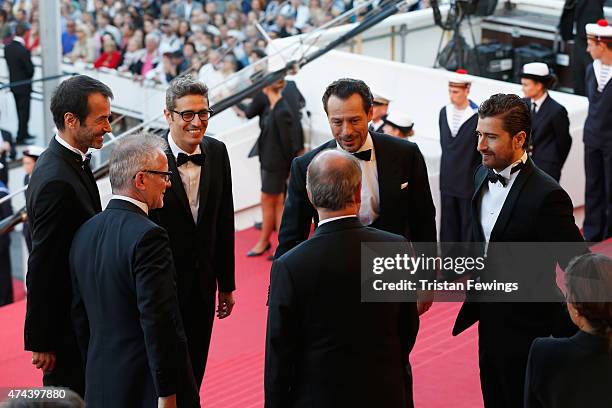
(132, 154)
(332, 179)
(182, 86)
(152, 36)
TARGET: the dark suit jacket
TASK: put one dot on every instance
(408, 212)
(582, 12)
(19, 65)
(60, 197)
(126, 311)
(203, 252)
(275, 144)
(550, 137)
(7, 137)
(260, 106)
(459, 156)
(324, 347)
(536, 209)
(571, 372)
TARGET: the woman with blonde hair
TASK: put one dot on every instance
(84, 49)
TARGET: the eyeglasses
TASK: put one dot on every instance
(165, 174)
(188, 115)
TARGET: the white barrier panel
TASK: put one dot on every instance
(421, 92)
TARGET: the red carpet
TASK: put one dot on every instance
(445, 368)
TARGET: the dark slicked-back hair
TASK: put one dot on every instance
(344, 88)
(513, 112)
(71, 96)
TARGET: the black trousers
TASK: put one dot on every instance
(502, 379)
(598, 193)
(68, 371)
(22, 103)
(198, 323)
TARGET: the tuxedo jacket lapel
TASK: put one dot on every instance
(481, 178)
(205, 178)
(388, 169)
(515, 191)
(177, 187)
(76, 163)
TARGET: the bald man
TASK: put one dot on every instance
(356, 355)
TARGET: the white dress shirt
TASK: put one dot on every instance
(456, 117)
(325, 221)
(67, 146)
(190, 176)
(370, 199)
(143, 206)
(539, 102)
(494, 196)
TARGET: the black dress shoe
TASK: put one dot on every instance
(252, 253)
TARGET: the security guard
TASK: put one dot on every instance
(598, 134)
(550, 140)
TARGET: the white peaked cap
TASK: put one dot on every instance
(33, 151)
(538, 69)
(380, 98)
(399, 119)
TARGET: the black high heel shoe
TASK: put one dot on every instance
(252, 253)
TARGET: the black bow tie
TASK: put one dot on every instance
(183, 158)
(494, 177)
(365, 155)
(85, 162)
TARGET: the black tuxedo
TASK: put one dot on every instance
(571, 372)
(407, 211)
(126, 313)
(61, 196)
(536, 209)
(324, 347)
(203, 251)
(20, 68)
(550, 140)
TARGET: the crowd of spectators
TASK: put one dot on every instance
(143, 37)
(160, 39)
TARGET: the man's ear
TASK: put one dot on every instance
(357, 195)
(168, 116)
(71, 121)
(519, 139)
(370, 113)
(139, 181)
